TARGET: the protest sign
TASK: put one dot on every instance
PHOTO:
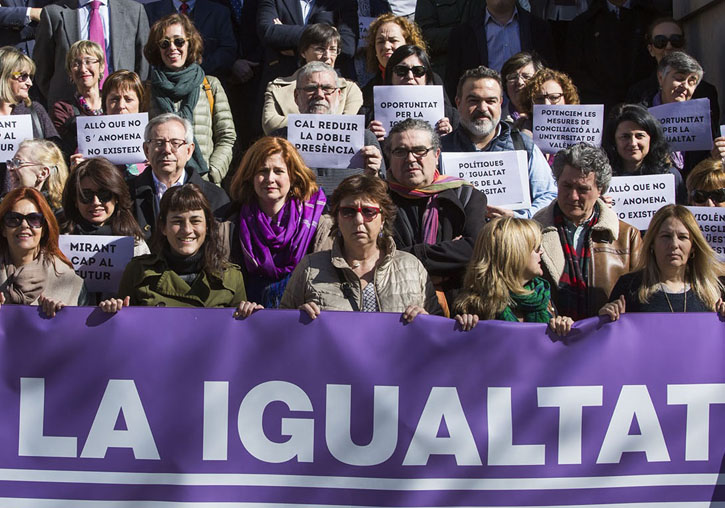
(686, 125)
(363, 26)
(118, 138)
(13, 130)
(357, 409)
(558, 127)
(98, 259)
(328, 141)
(502, 176)
(712, 224)
(637, 198)
(393, 104)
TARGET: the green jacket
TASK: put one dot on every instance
(149, 281)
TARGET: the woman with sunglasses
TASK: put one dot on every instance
(85, 63)
(178, 85)
(39, 164)
(33, 270)
(319, 42)
(363, 271)
(546, 87)
(706, 184)
(409, 65)
(274, 217)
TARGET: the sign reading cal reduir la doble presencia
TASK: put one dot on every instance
(558, 127)
(328, 141)
(637, 198)
(686, 125)
(13, 130)
(393, 104)
(118, 138)
(711, 220)
(99, 260)
(502, 176)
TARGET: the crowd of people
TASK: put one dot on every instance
(224, 211)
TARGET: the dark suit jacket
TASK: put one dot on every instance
(214, 22)
(58, 30)
(14, 31)
(467, 46)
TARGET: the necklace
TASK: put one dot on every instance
(684, 296)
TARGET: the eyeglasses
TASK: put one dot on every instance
(660, 41)
(701, 196)
(158, 143)
(14, 219)
(326, 89)
(401, 70)
(76, 64)
(176, 41)
(514, 77)
(22, 77)
(322, 51)
(418, 152)
(16, 163)
(554, 98)
(86, 196)
(368, 212)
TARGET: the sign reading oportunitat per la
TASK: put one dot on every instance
(118, 138)
(393, 104)
(686, 125)
(328, 141)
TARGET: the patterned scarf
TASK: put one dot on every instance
(534, 306)
(575, 277)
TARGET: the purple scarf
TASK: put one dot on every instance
(272, 248)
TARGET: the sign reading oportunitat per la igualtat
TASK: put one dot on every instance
(393, 104)
(686, 125)
(328, 141)
(118, 138)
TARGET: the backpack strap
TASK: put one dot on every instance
(209, 95)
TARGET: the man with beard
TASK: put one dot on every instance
(318, 93)
(478, 99)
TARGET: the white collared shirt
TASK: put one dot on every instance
(306, 6)
(161, 188)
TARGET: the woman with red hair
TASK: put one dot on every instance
(33, 270)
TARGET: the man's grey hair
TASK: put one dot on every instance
(680, 61)
(587, 159)
(312, 67)
(413, 124)
(169, 117)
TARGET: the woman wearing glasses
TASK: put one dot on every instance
(516, 72)
(547, 87)
(706, 184)
(85, 64)
(274, 217)
(363, 271)
(33, 270)
(319, 42)
(178, 85)
(39, 164)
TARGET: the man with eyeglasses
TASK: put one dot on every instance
(479, 99)
(168, 145)
(439, 216)
(120, 27)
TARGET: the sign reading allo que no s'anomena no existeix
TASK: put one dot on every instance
(118, 138)
(559, 126)
(99, 260)
(393, 104)
(13, 130)
(637, 198)
(328, 141)
(686, 125)
(502, 176)
(711, 220)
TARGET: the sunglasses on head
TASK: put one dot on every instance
(368, 212)
(401, 70)
(660, 41)
(86, 196)
(176, 41)
(701, 196)
(14, 219)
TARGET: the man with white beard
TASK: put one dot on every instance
(478, 98)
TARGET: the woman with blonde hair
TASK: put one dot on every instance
(39, 164)
(706, 184)
(504, 279)
(679, 271)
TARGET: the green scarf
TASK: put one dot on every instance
(534, 306)
(169, 87)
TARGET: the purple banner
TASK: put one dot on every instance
(191, 408)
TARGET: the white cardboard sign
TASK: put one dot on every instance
(328, 141)
(99, 260)
(558, 127)
(637, 198)
(118, 138)
(502, 176)
(393, 104)
(712, 224)
(686, 125)
(13, 130)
